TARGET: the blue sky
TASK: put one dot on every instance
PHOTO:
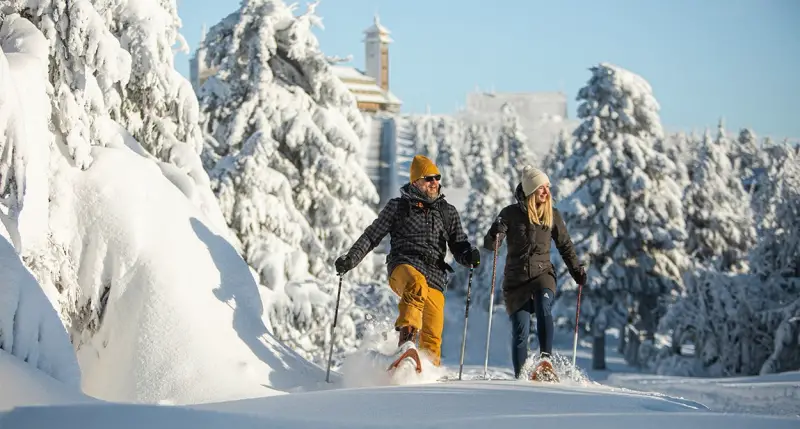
(705, 59)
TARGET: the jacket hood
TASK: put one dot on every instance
(519, 194)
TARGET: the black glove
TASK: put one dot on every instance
(499, 226)
(580, 276)
(474, 257)
(343, 264)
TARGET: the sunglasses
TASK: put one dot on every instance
(437, 178)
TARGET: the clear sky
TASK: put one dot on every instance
(739, 59)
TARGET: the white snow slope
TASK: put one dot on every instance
(183, 317)
(463, 405)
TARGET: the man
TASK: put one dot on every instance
(421, 223)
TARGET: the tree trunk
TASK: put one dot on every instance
(599, 351)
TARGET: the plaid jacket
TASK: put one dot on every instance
(418, 239)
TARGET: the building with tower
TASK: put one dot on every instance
(371, 86)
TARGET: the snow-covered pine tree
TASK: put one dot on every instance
(622, 206)
(719, 218)
(489, 192)
(488, 195)
(776, 263)
(273, 80)
(425, 141)
(745, 324)
(680, 151)
(284, 125)
(97, 61)
(746, 151)
(555, 160)
(12, 148)
(512, 147)
(450, 141)
(112, 70)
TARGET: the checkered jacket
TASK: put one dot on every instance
(418, 239)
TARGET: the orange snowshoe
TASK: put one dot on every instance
(410, 353)
(407, 349)
(544, 372)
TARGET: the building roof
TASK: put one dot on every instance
(363, 87)
(378, 30)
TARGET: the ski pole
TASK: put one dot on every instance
(577, 315)
(491, 308)
(333, 330)
(466, 318)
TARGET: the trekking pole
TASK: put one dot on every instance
(491, 308)
(466, 318)
(333, 329)
(577, 315)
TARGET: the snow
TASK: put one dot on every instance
(25, 386)
(172, 290)
(621, 399)
(127, 299)
(30, 329)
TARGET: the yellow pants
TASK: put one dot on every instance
(421, 307)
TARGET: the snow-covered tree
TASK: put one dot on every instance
(106, 78)
(622, 206)
(488, 195)
(512, 147)
(555, 160)
(719, 219)
(424, 135)
(285, 132)
(12, 148)
(745, 324)
(451, 136)
(489, 192)
(681, 151)
(30, 327)
(747, 153)
(111, 68)
(274, 82)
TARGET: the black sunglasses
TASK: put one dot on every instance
(437, 178)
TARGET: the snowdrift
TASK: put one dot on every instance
(30, 329)
(21, 385)
(462, 405)
(178, 312)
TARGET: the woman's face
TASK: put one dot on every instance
(542, 193)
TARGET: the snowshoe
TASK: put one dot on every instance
(544, 372)
(407, 356)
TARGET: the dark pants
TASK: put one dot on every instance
(541, 304)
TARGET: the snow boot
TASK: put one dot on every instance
(406, 350)
(544, 371)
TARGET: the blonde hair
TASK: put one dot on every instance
(543, 214)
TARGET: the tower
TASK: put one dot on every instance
(376, 53)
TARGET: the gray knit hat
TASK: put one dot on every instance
(532, 178)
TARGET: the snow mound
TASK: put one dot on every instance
(23, 385)
(176, 313)
(30, 329)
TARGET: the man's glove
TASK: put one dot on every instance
(474, 256)
(580, 276)
(343, 264)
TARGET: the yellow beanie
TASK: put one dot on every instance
(421, 167)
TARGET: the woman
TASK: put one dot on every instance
(529, 283)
